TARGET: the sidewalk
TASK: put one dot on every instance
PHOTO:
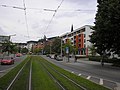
(84, 61)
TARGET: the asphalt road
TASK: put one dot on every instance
(107, 75)
(5, 68)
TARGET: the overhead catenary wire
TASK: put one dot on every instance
(54, 15)
(45, 9)
(23, 8)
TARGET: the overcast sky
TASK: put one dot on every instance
(12, 20)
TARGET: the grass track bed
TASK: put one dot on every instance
(21, 83)
(7, 79)
(68, 85)
(42, 77)
(85, 83)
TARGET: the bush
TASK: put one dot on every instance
(115, 61)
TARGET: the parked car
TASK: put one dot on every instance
(52, 56)
(18, 54)
(7, 61)
(59, 58)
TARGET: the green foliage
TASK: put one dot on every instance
(24, 50)
(56, 45)
(107, 27)
(47, 49)
(69, 45)
(9, 47)
(36, 50)
(92, 50)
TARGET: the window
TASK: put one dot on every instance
(84, 35)
(82, 30)
(84, 45)
(84, 40)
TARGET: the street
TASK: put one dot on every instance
(5, 68)
(107, 75)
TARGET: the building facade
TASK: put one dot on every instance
(30, 45)
(79, 38)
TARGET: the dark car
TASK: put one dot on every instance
(7, 61)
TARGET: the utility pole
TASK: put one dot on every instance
(50, 48)
(61, 46)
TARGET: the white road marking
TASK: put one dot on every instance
(101, 81)
(79, 74)
(88, 77)
(2, 71)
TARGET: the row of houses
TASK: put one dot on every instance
(79, 38)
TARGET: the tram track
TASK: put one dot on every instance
(49, 68)
(17, 78)
(36, 73)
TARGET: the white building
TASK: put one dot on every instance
(30, 45)
(79, 38)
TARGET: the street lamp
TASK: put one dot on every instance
(67, 48)
(61, 46)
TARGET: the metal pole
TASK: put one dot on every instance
(61, 46)
(50, 48)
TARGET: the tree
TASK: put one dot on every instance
(24, 50)
(92, 50)
(56, 45)
(106, 37)
(7, 47)
(69, 45)
(47, 49)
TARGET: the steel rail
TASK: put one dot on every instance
(67, 77)
(10, 85)
(30, 75)
(54, 79)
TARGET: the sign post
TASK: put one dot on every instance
(67, 52)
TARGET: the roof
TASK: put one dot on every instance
(31, 41)
(76, 30)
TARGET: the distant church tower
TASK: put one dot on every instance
(72, 28)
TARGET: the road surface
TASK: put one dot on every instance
(107, 75)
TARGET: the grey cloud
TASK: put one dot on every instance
(66, 14)
(2, 31)
(81, 1)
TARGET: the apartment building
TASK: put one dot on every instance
(79, 38)
(30, 45)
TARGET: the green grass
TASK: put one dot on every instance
(65, 82)
(6, 79)
(85, 83)
(40, 78)
(23, 79)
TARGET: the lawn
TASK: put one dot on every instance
(41, 79)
